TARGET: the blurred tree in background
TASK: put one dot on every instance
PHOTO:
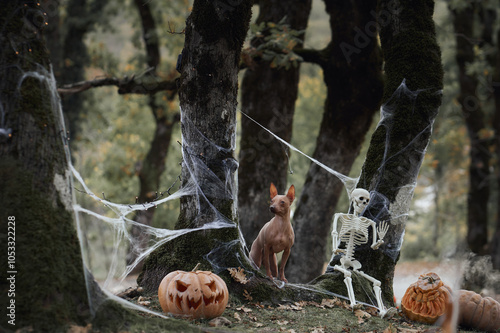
(268, 95)
(354, 91)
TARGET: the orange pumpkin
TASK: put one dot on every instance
(478, 312)
(425, 300)
(195, 294)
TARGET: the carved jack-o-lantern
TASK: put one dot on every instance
(196, 294)
(426, 300)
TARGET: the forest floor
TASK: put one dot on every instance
(331, 315)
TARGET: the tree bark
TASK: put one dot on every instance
(479, 189)
(495, 242)
(354, 90)
(45, 269)
(52, 34)
(268, 95)
(215, 32)
(398, 145)
(81, 16)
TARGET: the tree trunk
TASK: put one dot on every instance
(81, 16)
(215, 32)
(268, 96)
(398, 145)
(479, 189)
(354, 90)
(495, 242)
(45, 274)
(153, 165)
(45, 284)
(52, 34)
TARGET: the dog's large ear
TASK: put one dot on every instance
(291, 193)
(273, 191)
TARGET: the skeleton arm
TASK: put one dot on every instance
(335, 235)
(375, 244)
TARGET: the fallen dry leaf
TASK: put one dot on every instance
(246, 295)
(390, 329)
(362, 315)
(371, 310)
(281, 323)
(244, 309)
(329, 303)
(238, 274)
(409, 330)
(219, 321)
(284, 307)
(237, 316)
(258, 305)
(318, 330)
(143, 301)
(80, 329)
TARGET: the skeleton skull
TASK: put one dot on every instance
(360, 199)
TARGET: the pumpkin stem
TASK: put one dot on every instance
(196, 267)
(430, 279)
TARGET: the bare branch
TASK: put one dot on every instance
(147, 84)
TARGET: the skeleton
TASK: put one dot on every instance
(354, 232)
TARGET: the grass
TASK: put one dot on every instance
(331, 315)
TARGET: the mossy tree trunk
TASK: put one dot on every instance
(46, 269)
(268, 95)
(215, 32)
(479, 189)
(43, 280)
(411, 53)
(352, 74)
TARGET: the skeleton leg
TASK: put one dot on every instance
(377, 290)
(348, 283)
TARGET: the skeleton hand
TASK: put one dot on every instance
(382, 229)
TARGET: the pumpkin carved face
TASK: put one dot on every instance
(426, 300)
(198, 294)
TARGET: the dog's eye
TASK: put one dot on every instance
(282, 202)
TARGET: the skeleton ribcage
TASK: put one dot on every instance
(356, 226)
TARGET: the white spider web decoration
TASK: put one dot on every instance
(117, 216)
(121, 223)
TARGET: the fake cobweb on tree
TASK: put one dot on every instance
(118, 217)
